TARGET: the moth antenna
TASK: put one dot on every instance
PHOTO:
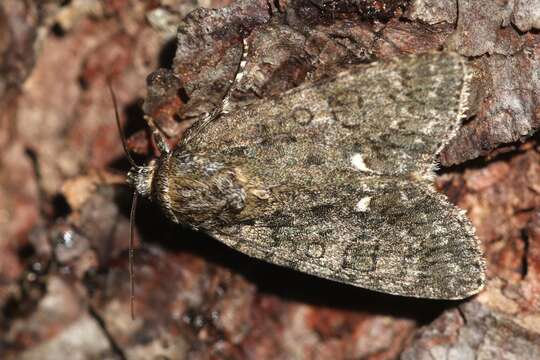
(133, 205)
(117, 117)
(131, 252)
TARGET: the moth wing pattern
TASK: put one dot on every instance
(396, 115)
(348, 166)
(398, 238)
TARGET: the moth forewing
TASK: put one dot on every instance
(335, 179)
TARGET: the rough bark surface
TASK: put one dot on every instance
(64, 224)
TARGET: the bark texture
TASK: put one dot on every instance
(64, 224)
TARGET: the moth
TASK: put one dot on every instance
(334, 179)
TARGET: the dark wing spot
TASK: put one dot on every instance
(361, 255)
(302, 116)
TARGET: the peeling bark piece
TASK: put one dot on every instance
(478, 25)
(509, 111)
(282, 56)
(277, 60)
(526, 14)
(433, 11)
(206, 50)
(163, 100)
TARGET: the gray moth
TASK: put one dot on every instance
(334, 179)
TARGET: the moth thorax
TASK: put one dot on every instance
(141, 178)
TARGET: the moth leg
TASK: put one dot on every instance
(240, 72)
(159, 138)
(224, 107)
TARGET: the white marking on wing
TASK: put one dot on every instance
(363, 204)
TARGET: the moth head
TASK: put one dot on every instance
(141, 177)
